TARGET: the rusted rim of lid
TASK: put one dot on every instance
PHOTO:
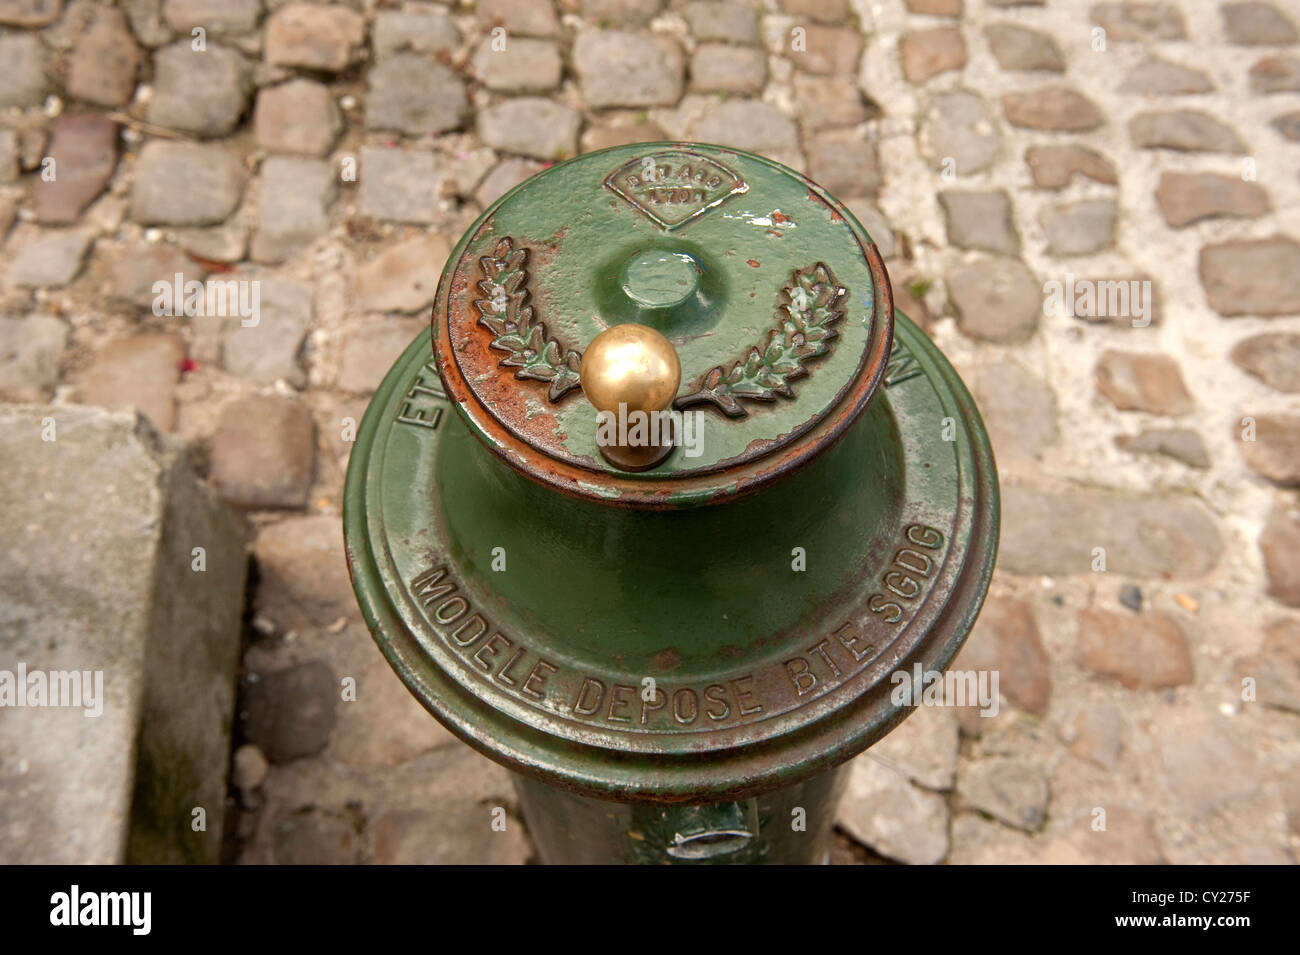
(560, 244)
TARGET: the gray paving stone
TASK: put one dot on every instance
(1205, 769)
(1184, 130)
(290, 713)
(1006, 640)
(627, 69)
(723, 22)
(504, 176)
(302, 572)
(214, 16)
(1021, 48)
(1010, 790)
(270, 350)
(297, 117)
(1275, 451)
(520, 17)
(1158, 77)
(84, 149)
(401, 185)
(959, 125)
(1018, 407)
(414, 94)
(831, 51)
(1079, 228)
(1272, 357)
(263, 453)
(927, 53)
(531, 126)
(204, 92)
(136, 266)
(998, 299)
(9, 168)
(29, 13)
(621, 13)
(104, 61)
(46, 259)
(416, 28)
(1276, 74)
(147, 22)
(403, 278)
(1276, 667)
(523, 66)
(1185, 198)
(185, 184)
(1097, 733)
(723, 68)
(1056, 531)
(1279, 545)
(1053, 167)
(293, 210)
(1057, 109)
(844, 162)
(23, 81)
(30, 349)
(1180, 444)
(980, 220)
(826, 102)
(883, 810)
(122, 786)
(1253, 23)
(138, 372)
(370, 350)
(1133, 381)
(923, 748)
(748, 124)
(1139, 20)
(314, 37)
(823, 11)
(220, 244)
(1252, 276)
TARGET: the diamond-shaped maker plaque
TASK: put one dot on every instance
(675, 186)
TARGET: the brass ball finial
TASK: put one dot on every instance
(626, 369)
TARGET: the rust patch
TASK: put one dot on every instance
(665, 660)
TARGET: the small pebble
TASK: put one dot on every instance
(1187, 603)
(1130, 595)
(248, 769)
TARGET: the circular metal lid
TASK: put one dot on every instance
(775, 299)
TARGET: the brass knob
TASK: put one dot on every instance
(630, 373)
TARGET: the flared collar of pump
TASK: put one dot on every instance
(773, 298)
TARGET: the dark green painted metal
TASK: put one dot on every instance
(762, 677)
(788, 826)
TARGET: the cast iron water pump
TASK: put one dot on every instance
(674, 636)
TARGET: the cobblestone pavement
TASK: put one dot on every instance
(1149, 448)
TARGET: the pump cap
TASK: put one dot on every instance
(776, 302)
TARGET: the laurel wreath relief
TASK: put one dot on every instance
(807, 307)
(515, 329)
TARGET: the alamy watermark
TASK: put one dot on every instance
(643, 429)
(229, 298)
(128, 909)
(82, 689)
(922, 687)
(1092, 298)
